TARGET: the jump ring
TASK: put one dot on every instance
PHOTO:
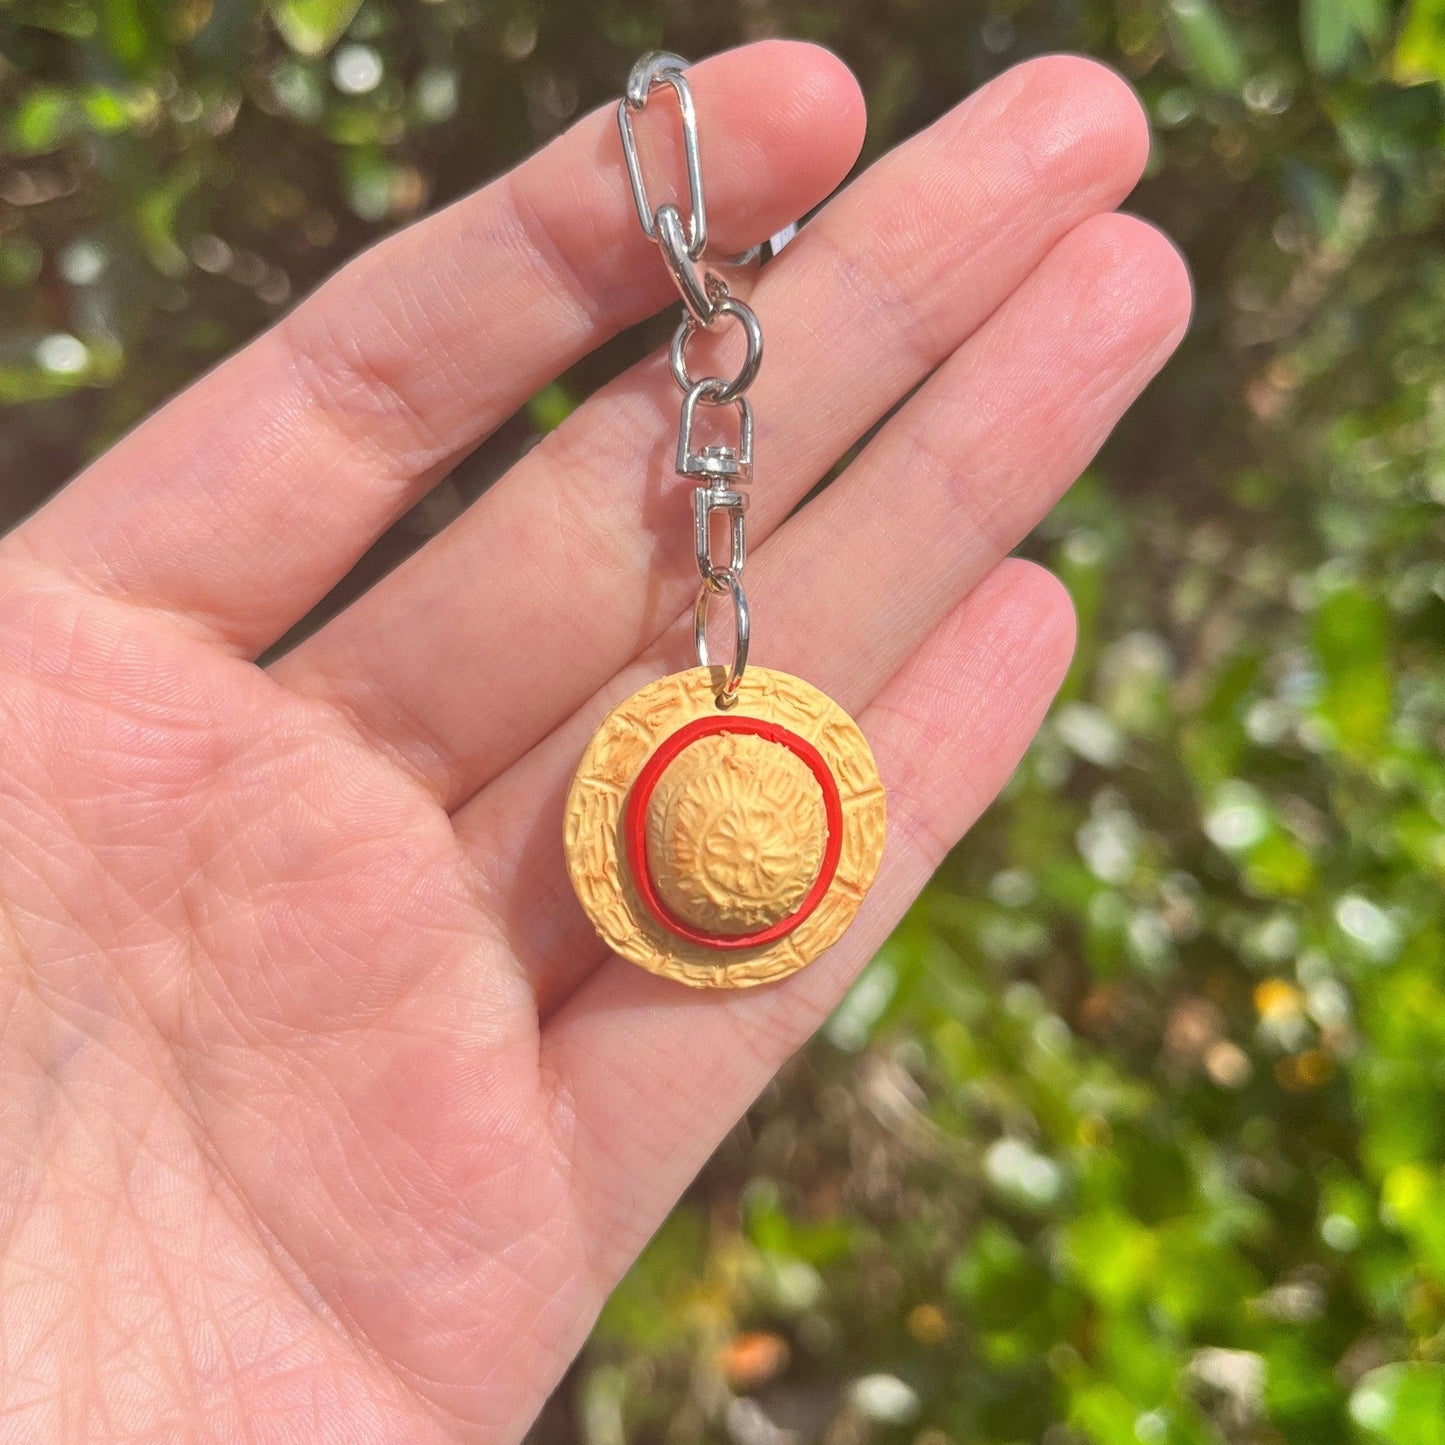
(747, 373)
(723, 578)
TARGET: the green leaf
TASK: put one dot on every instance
(1333, 30)
(551, 406)
(1104, 1413)
(660, 1284)
(1414, 1198)
(1420, 51)
(1351, 642)
(1206, 43)
(49, 116)
(312, 27)
(155, 218)
(46, 118)
(1403, 1404)
(105, 110)
(134, 33)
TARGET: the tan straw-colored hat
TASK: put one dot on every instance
(724, 848)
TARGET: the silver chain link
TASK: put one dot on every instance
(720, 471)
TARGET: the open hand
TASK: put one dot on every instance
(325, 1116)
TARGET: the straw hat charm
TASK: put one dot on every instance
(724, 823)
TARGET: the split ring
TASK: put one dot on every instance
(747, 373)
(723, 579)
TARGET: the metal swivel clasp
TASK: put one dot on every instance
(715, 463)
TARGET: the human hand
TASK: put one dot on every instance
(325, 1116)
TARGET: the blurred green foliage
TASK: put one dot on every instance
(1135, 1132)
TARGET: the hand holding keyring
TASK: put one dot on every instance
(328, 1117)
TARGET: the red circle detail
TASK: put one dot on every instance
(634, 824)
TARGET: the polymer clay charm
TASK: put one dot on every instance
(724, 848)
(725, 822)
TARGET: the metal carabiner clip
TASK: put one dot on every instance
(662, 68)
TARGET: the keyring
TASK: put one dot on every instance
(752, 359)
(717, 581)
(724, 822)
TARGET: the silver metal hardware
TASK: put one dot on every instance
(661, 68)
(726, 581)
(645, 73)
(715, 461)
(752, 358)
(720, 469)
(733, 505)
(764, 250)
(701, 290)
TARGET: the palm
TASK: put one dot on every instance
(326, 1118)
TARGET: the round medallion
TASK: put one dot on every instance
(724, 848)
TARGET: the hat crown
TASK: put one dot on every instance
(736, 831)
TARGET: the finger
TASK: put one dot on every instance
(507, 622)
(648, 1077)
(845, 591)
(240, 504)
